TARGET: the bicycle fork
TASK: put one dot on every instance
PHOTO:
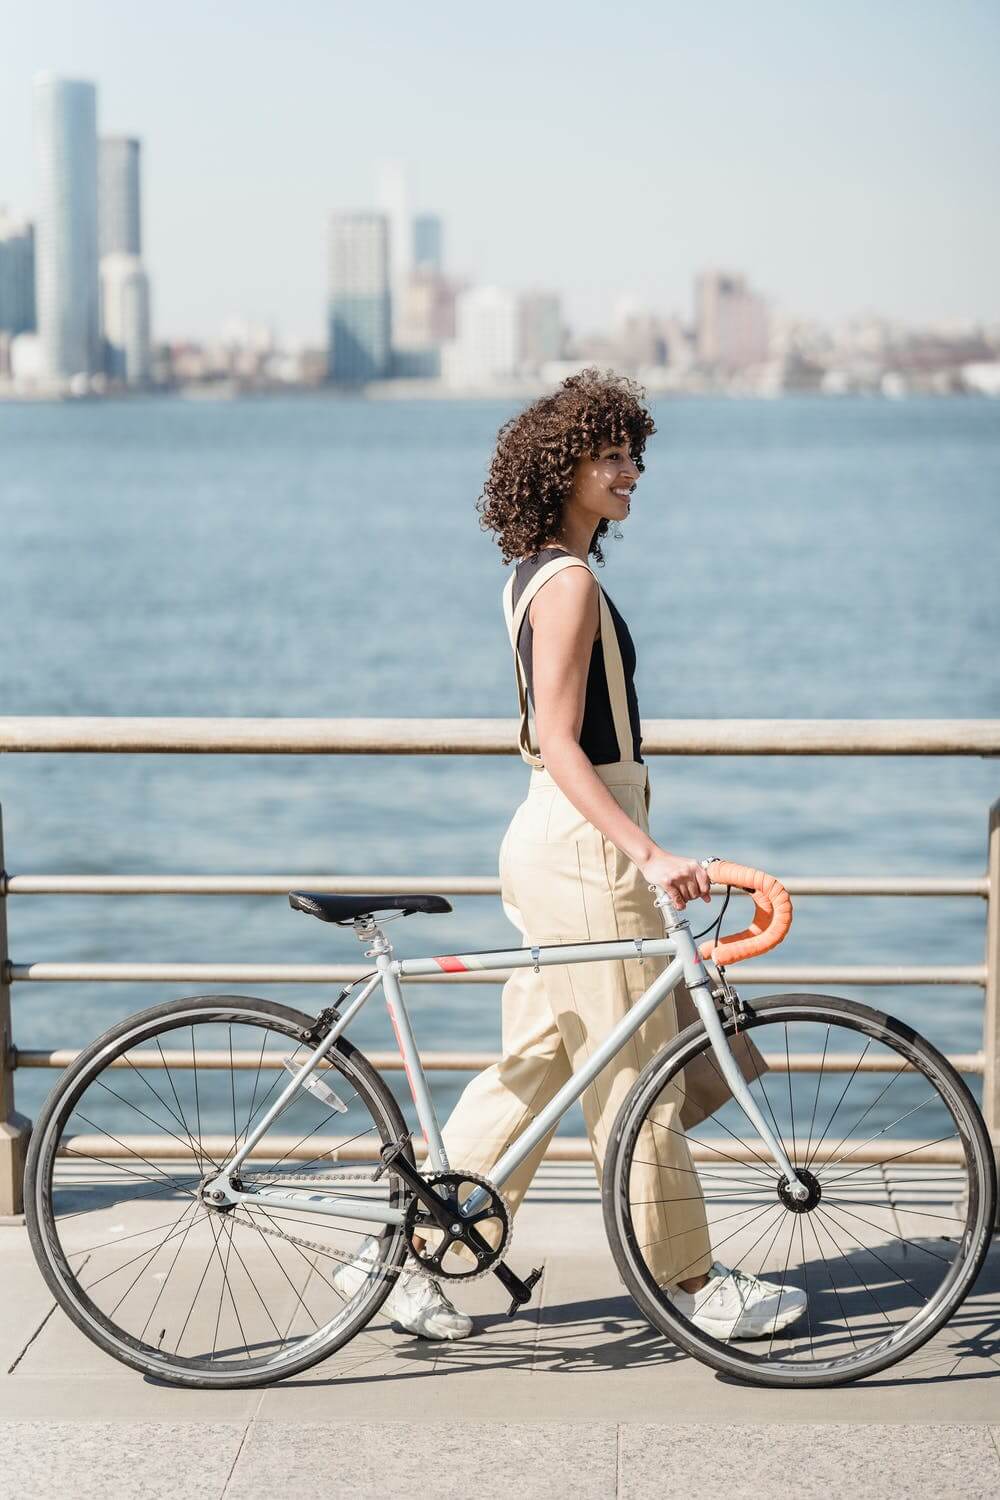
(701, 988)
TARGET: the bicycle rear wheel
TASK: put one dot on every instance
(147, 1268)
(902, 1190)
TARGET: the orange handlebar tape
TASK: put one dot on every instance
(772, 914)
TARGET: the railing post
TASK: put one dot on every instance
(14, 1128)
(991, 1012)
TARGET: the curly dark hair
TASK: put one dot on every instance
(537, 451)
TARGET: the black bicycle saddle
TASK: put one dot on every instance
(345, 909)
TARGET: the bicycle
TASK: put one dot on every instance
(184, 1253)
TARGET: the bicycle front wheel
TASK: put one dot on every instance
(902, 1191)
(150, 1270)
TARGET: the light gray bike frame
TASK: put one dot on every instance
(678, 944)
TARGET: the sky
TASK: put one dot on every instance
(843, 154)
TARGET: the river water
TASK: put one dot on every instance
(318, 556)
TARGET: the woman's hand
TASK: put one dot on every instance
(683, 879)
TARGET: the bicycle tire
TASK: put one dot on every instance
(729, 1357)
(41, 1219)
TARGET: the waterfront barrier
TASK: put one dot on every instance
(962, 737)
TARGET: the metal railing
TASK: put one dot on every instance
(964, 737)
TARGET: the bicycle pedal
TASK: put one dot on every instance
(520, 1290)
(529, 1283)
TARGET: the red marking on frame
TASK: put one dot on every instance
(451, 965)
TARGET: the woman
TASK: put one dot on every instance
(577, 861)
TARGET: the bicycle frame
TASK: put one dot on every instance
(677, 944)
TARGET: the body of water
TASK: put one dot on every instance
(314, 556)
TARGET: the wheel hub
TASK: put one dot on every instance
(800, 1205)
(213, 1195)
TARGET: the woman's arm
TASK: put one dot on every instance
(565, 617)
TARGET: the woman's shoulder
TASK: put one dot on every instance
(525, 567)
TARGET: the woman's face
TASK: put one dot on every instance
(602, 486)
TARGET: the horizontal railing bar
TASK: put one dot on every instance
(467, 1062)
(427, 736)
(327, 1151)
(442, 885)
(342, 973)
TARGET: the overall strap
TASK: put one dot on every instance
(614, 671)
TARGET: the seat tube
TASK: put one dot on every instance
(399, 1017)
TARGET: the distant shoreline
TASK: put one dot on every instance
(408, 390)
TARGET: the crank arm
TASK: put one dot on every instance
(519, 1290)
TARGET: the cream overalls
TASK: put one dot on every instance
(562, 881)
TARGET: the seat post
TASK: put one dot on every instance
(367, 930)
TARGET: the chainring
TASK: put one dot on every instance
(433, 1255)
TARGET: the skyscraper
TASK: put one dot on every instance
(540, 330)
(359, 322)
(394, 202)
(486, 347)
(731, 321)
(428, 235)
(125, 317)
(17, 275)
(66, 246)
(119, 214)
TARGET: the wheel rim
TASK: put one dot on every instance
(151, 1270)
(882, 1251)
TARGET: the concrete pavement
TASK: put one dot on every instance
(578, 1395)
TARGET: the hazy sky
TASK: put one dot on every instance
(844, 153)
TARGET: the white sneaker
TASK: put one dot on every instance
(349, 1278)
(732, 1305)
(416, 1302)
(420, 1306)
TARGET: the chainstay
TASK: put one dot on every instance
(344, 1257)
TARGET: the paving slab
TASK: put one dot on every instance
(104, 1461)
(373, 1461)
(121, 1401)
(741, 1462)
(27, 1301)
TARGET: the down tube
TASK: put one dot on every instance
(575, 1086)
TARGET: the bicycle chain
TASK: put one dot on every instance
(344, 1257)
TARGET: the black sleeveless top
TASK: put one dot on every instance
(598, 740)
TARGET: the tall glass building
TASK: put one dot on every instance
(66, 236)
(17, 275)
(125, 317)
(428, 235)
(118, 202)
(360, 305)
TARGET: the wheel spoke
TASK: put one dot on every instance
(826, 1131)
(710, 1147)
(878, 1134)
(874, 1288)
(172, 1280)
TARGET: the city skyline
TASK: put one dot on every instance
(832, 206)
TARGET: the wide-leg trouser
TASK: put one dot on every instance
(562, 881)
